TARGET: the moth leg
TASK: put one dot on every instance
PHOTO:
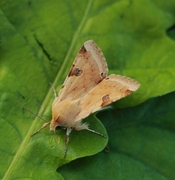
(68, 131)
(54, 90)
(95, 132)
(66, 145)
(84, 126)
(43, 126)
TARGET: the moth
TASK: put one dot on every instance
(87, 89)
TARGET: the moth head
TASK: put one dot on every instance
(54, 124)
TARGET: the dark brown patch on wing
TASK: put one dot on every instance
(71, 71)
(82, 50)
(77, 72)
(105, 100)
(103, 75)
(127, 92)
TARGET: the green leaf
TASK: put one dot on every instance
(38, 42)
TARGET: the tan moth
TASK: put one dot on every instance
(87, 89)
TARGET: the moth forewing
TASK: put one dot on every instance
(111, 89)
(88, 69)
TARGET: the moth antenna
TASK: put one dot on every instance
(30, 111)
(43, 126)
(95, 132)
(54, 90)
